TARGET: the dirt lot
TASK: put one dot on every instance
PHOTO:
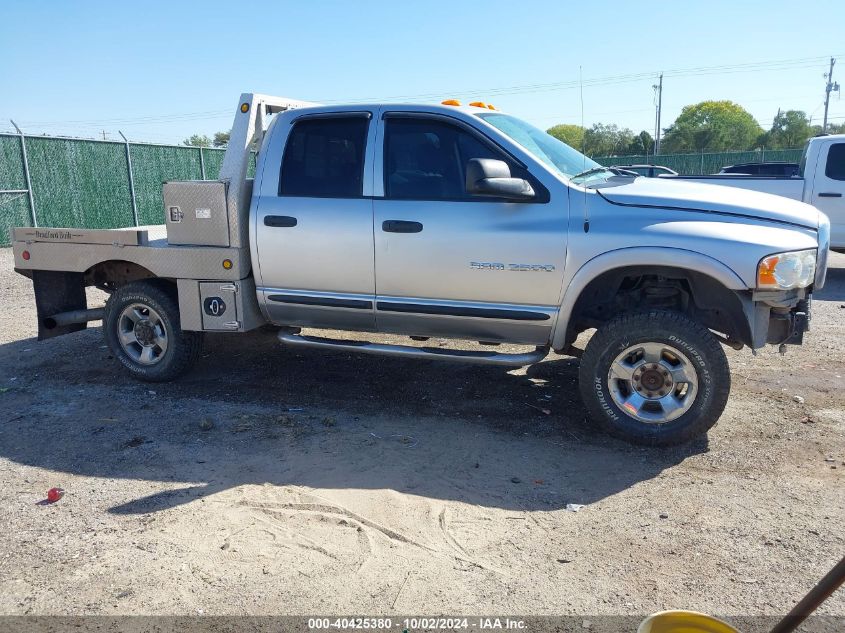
(272, 481)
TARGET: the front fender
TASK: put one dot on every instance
(637, 256)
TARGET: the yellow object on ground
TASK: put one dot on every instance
(683, 622)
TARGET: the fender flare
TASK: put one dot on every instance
(638, 256)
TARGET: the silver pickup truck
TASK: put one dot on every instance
(448, 221)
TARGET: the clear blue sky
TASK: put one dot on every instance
(161, 71)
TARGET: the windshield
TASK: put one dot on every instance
(802, 164)
(554, 153)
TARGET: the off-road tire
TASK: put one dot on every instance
(702, 349)
(183, 348)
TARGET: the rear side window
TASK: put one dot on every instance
(324, 158)
(835, 167)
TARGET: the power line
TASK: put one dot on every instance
(760, 66)
(164, 118)
(607, 80)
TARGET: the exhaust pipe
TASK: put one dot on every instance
(73, 317)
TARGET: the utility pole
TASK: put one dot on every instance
(104, 135)
(658, 88)
(830, 87)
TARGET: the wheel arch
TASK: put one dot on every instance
(113, 273)
(704, 273)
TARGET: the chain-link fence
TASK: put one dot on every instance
(78, 183)
(704, 163)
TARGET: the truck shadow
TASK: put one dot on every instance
(256, 413)
(834, 288)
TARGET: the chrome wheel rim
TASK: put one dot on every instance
(142, 334)
(653, 382)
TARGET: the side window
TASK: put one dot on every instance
(426, 159)
(324, 158)
(835, 167)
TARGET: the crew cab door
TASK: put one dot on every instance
(829, 189)
(314, 222)
(454, 264)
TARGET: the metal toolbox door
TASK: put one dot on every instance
(219, 304)
(196, 213)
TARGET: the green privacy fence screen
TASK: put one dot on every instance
(14, 202)
(79, 183)
(709, 163)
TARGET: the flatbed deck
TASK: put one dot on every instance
(78, 250)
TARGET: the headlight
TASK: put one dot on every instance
(787, 270)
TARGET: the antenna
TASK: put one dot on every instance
(583, 150)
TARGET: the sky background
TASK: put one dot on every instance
(161, 71)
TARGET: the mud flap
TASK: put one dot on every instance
(58, 292)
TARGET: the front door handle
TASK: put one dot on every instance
(401, 226)
(830, 194)
(282, 221)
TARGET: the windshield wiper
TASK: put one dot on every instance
(613, 170)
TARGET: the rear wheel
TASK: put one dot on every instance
(656, 378)
(141, 326)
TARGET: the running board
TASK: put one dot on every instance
(481, 357)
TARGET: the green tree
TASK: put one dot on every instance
(607, 140)
(716, 126)
(789, 129)
(642, 143)
(221, 139)
(572, 135)
(197, 140)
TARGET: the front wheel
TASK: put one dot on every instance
(656, 378)
(142, 328)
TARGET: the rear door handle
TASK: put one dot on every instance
(830, 194)
(282, 221)
(401, 226)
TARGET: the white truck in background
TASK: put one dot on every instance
(820, 182)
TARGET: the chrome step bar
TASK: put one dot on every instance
(462, 356)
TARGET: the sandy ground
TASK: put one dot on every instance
(272, 481)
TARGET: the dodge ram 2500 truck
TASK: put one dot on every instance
(450, 221)
(820, 182)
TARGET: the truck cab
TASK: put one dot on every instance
(451, 221)
(362, 219)
(822, 168)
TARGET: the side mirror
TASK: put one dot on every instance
(490, 177)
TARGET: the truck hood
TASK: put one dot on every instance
(666, 193)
